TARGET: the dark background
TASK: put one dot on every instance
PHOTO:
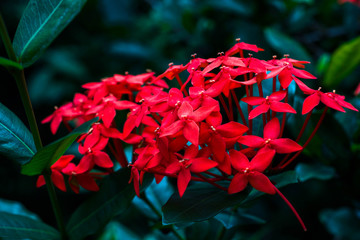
(113, 36)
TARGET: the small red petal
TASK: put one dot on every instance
(183, 180)
(262, 160)
(260, 182)
(310, 103)
(263, 108)
(238, 183)
(285, 145)
(58, 179)
(102, 160)
(238, 160)
(251, 141)
(201, 164)
(272, 129)
(191, 132)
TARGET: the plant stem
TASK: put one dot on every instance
(55, 205)
(221, 233)
(25, 98)
(238, 107)
(283, 164)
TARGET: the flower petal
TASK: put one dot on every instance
(238, 160)
(285, 145)
(231, 129)
(201, 164)
(251, 141)
(281, 107)
(262, 160)
(272, 129)
(191, 132)
(260, 182)
(238, 183)
(183, 180)
(310, 102)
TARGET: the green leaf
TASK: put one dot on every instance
(343, 223)
(117, 231)
(343, 62)
(8, 63)
(16, 208)
(286, 45)
(41, 22)
(200, 202)
(20, 227)
(49, 154)
(307, 171)
(114, 197)
(16, 141)
(230, 219)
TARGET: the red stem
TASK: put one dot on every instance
(304, 126)
(231, 108)
(212, 183)
(224, 106)
(181, 84)
(120, 156)
(284, 115)
(283, 164)
(238, 107)
(292, 208)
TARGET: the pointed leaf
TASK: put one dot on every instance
(20, 227)
(49, 154)
(41, 22)
(199, 202)
(114, 197)
(343, 61)
(16, 141)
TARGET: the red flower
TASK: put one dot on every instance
(192, 161)
(56, 176)
(271, 102)
(188, 119)
(251, 171)
(271, 140)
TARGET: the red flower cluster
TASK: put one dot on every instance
(191, 132)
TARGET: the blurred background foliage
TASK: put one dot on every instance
(114, 36)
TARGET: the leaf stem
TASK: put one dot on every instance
(25, 98)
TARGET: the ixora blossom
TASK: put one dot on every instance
(196, 132)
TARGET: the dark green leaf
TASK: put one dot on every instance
(16, 208)
(8, 63)
(16, 141)
(200, 202)
(286, 45)
(49, 154)
(231, 219)
(117, 231)
(41, 23)
(114, 197)
(19, 227)
(306, 171)
(343, 62)
(343, 223)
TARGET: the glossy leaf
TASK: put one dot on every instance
(307, 171)
(199, 202)
(16, 208)
(20, 227)
(41, 22)
(117, 231)
(343, 223)
(343, 62)
(16, 141)
(8, 63)
(49, 154)
(230, 219)
(286, 45)
(114, 197)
